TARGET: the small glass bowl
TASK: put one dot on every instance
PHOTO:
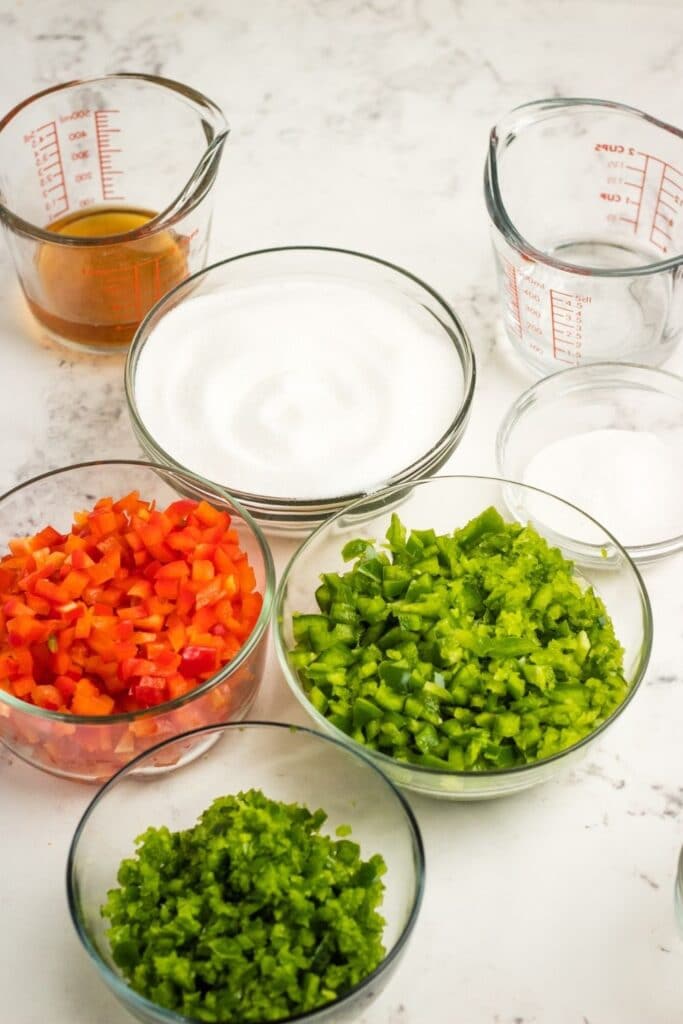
(602, 396)
(287, 763)
(444, 503)
(92, 748)
(318, 264)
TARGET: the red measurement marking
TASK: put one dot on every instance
(137, 300)
(564, 326)
(105, 150)
(49, 164)
(123, 287)
(660, 203)
(658, 178)
(654, 217)
(513, 298)
(641, 192)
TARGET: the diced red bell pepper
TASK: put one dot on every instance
(136, 667)
(196, 661)
(66, 686)
(167, 589)
(178, 686)
(210, 593)
(48, 538)
(176, 632)
(133, 607)
(150, 691)
(210, 516)
(152, 622)
(80, 560)
(14, 607)
(23, 686)
(47, 696)
(246, 577)
(178, 511)
(102, 572)
(38, 605)
(178, 569)
(203, 569)
(89, 700)
(128, 503)
(27, 629)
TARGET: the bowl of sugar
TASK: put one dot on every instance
(608, 438)
(301, 378)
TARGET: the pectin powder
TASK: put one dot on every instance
(630, 481)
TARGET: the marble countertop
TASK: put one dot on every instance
(363, 124)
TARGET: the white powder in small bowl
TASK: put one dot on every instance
(630, 481)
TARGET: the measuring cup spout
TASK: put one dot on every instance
(216, 130)
(105, 197)
(201, 178)
(501, 136)
(125, 138)
(585, 199)
(613, 165)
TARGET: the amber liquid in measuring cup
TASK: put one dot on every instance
(97, 295)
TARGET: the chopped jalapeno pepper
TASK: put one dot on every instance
(477, 650)
(253, 914)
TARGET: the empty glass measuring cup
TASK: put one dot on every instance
(105, 197)
(586, 202)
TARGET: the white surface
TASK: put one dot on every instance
(364, 125)
(276, 388)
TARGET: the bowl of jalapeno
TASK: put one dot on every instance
(249, 885)
(469, 655)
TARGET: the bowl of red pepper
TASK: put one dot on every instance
(134, 606)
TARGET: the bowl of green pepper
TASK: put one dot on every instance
(251, 885)
(468, 655)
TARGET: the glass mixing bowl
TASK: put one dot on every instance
(609, 438)
(318, 270)
(287, 763)
(91, 748)
(678, 894)
(444, 503)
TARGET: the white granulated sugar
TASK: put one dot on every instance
(301, 390)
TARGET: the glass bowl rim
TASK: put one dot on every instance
(300, 507)
(260, 626)
(118, 984)
(575, 379)
(678, 891)
(423, 770)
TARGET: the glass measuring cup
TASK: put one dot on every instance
(105, 197)
(586, 203)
